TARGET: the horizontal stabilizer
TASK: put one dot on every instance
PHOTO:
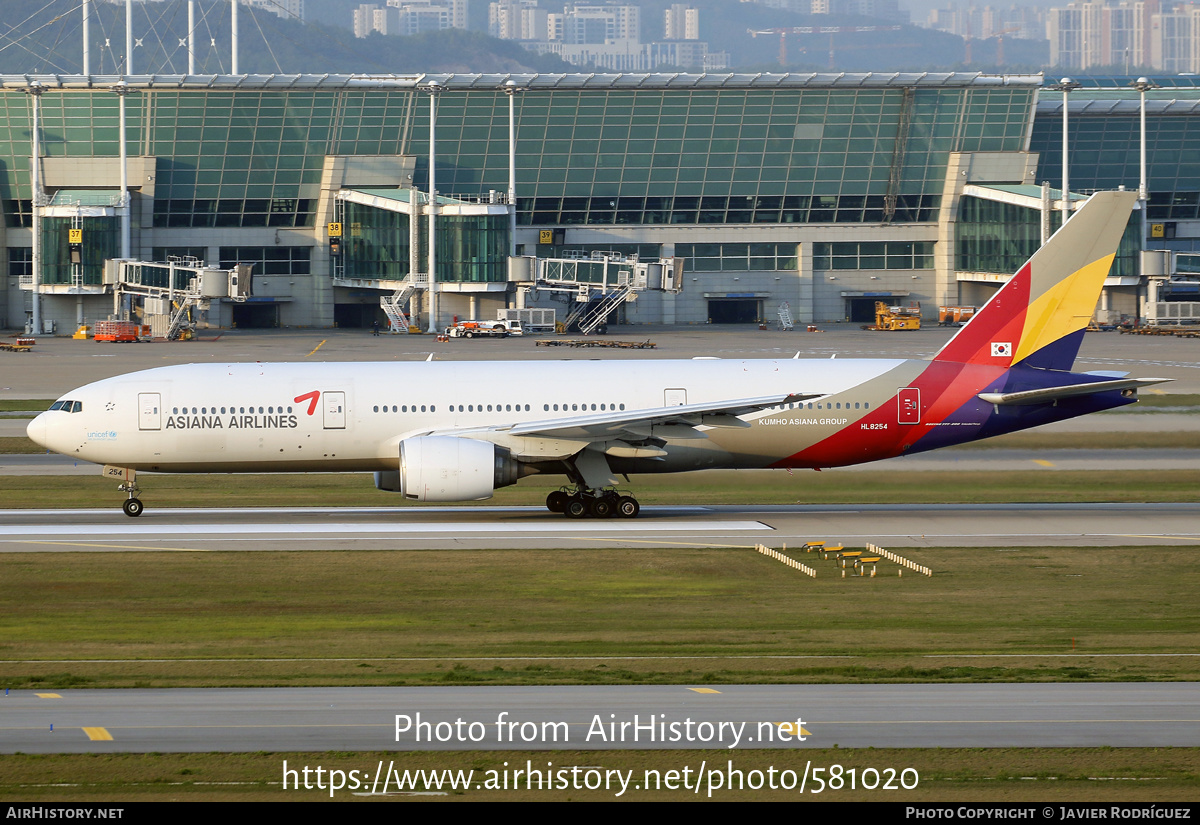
(1054, 393)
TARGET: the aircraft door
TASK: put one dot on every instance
(335, 410)
(909, 405)
(674, 398)
(149, 411)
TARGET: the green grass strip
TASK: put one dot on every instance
(717, 613)
(25, 404)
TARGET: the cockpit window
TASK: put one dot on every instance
(76, 406)
(67, 406)
(58, 405)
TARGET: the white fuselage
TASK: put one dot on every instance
(255, 417)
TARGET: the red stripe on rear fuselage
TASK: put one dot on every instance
(945, 387)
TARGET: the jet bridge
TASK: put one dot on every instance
(603, 281)
(170, 295)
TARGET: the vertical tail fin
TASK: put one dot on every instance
(1039, 316)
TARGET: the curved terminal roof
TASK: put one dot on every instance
(526, 81)
(1110, 105)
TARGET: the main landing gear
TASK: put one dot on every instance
(588, 503)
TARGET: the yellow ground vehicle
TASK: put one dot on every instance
(894, 318)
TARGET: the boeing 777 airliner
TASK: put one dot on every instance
(444, 431)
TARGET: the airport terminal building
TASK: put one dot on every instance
(827, 192)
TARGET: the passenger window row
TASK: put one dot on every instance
(405, 408)
(231, 410)
(581, 407)
(836, 405)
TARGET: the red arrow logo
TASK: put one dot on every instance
(311, 398)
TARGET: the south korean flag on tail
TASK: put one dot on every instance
(1001, 349)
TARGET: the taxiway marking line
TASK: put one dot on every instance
(703, 690)
(658, 542)
(1043, 462)
(790, 729)
(1164, 536)
(113, 546)
(98, 734)
(1014, 534)
(318, 346)
(48, 695)
(1074, 655)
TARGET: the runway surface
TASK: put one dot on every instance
(465, 718)
(459, 527)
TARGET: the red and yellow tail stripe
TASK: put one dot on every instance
(1043, 307)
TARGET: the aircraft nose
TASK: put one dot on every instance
(37, 430)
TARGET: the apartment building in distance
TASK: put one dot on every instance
(605, 35)
(1127, 34)
(408, 17)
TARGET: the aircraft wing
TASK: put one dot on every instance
(638, 423)
(1042, 396)
(678, 421)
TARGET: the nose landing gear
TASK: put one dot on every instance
(133, 505)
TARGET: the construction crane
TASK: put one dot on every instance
(829, 30)
(967, 56)
(1000, 43)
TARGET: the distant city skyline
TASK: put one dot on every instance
(605, 35)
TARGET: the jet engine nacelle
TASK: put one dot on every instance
(448, 468)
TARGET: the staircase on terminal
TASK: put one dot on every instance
(393, 305)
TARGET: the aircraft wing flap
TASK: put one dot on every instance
(1042, 396)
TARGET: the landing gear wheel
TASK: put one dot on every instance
(601, 507)
(469, 335)
(627, 507)
(576, 508)
(556, 502)
(133, 507)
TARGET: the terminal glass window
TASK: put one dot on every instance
(101, 240)
(269, 260)
(179, 254)
(721, 156)
(1173, 206)
(641, 250)
(1103, 150)
(738, 257)
(375, 242)
(601, 155)
(873, 255)
(20, 262)
(18, 212)
(472, 248)
(997, 237)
